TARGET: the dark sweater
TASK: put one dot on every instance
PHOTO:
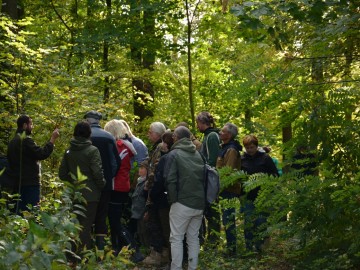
(29, 165)
(106, 144)
(157, 194)
(259, 163)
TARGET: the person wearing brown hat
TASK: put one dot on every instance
(111, 161)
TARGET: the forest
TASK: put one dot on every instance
(287, 71)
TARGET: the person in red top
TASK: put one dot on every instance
(120, 186)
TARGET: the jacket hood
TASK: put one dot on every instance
(127, 144)
(184, 144)
(79, 143)
(232, 144)
(211, 129)
(257, 154)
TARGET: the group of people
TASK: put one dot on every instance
(168, 204)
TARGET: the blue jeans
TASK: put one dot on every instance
(29, 195)
(253, 226)
(228, 217)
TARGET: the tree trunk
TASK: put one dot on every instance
(106, 59)
(248, 124)
(347, 72)
(11, 8)
(191, 99)
(286, 136)
(144, 57)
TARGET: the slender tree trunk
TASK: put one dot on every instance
(248, 124)
(286, 136)
(191, 99)
(347, 72)
(106, 58)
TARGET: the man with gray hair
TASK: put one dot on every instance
(156, 130)
(184, 176)
(229, 156)
(111, 161)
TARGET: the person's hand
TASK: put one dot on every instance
(54, 135)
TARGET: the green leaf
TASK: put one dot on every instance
(37, 230)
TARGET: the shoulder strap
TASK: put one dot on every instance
(207, 139)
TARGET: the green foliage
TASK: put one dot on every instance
(317, 217)
(42, 238)
(38, 239)
(229, 177)
(265, 66)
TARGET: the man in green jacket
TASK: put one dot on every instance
(184, 176)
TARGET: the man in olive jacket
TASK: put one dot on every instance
(184, 176)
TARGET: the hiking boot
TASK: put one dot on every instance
(153, 259)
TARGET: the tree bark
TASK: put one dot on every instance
(106, 59)
(191, 99)
(143, 56)
(11, 8)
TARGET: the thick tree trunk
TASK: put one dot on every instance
(11, 8)
(144, 57)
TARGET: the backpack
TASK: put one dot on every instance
(211, 176)
(212, 183)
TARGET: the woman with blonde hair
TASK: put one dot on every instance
(139, 145)
(120, 189)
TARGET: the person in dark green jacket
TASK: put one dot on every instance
(184, 181)
(83, 155)
(210, 149)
